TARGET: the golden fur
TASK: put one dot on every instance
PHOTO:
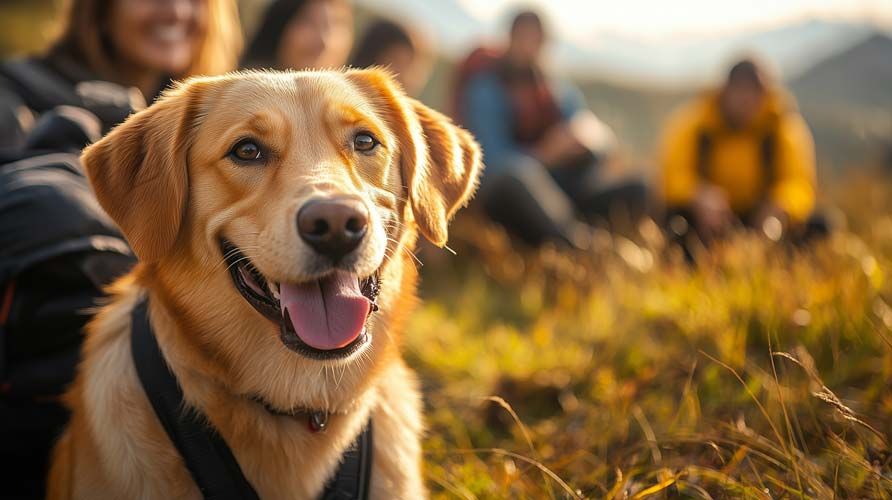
(165, 178)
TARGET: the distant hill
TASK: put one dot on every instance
(636, 113)
(847, 100)
(684, 62)
(860, 75)
(841, 72)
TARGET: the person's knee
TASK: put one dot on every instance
(518, 180)
(626, 202)
(636, 196)
(637, 190)
(817, 226)
(525, 200)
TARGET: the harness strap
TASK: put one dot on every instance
(5, 308)
(351, 482)
(208, 458)
(206, 455)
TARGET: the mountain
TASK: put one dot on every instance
(676, 61)
(847, 100)
(685, 62)
(860, 76)
(840, 72)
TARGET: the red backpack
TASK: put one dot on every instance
(480, 60)
(532, 102)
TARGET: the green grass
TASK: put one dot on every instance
(762, 372)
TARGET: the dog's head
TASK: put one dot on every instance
(283, 205)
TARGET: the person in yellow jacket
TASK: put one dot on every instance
(740, 155)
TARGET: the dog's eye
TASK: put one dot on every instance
(365, 142)
(246, 150)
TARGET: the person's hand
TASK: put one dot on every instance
(771, 221)
(591, 132)
(712, 213)
(558, 144)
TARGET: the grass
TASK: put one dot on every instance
(762, 372)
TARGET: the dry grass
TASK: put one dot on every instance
(763, 372)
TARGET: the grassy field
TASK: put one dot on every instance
(762, 372)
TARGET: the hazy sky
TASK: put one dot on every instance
(654, 19)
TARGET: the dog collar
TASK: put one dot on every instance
(317, 420)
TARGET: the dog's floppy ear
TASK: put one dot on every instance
(440, 162)
(139, 173)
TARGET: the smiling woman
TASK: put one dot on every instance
(116, 55)
(140, 43)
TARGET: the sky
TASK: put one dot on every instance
(666, 42)
(652, 20)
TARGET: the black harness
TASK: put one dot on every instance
(208, 458)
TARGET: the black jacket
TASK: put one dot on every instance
(33, 86)
(58, 249)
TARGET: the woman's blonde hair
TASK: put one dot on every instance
(218, 52)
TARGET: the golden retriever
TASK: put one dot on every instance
(274, 215)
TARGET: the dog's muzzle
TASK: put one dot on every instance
(321, 319)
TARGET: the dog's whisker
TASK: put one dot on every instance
(340, 378)
(389, 257)
(236, 262)
(414, 257)
(233, 252)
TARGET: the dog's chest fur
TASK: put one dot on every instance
(118, 449)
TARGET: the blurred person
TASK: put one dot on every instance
(58, 249)
(390, 45)
(302, 34)
(740, 155)
(114, 56)
(542, 147)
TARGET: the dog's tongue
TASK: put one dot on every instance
(326, 314)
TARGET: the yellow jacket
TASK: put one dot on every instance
(734, 159)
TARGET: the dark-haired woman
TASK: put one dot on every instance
(302, 34)
(114, 56)
(388, 44)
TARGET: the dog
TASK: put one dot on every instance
(274, 216)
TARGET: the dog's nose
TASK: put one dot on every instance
(334, 227)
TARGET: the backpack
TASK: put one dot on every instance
(58, 250)
(480, 60)
(531, 99)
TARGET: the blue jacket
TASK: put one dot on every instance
(488, 115)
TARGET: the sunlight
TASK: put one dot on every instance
(649, 20)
